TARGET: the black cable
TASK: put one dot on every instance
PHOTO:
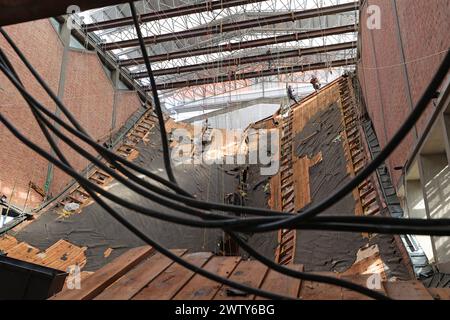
(111, 156)
(78, 126)
(379, 160)
(94, 144)
(86, 184)
(241, 208)
(376, 220)
(135, 230)
(225, 223)
(156, 101)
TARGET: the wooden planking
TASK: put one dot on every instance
(168, 283)
(411, 290)
(320, 291)
(440, 293)
(7, 242)
(362, 280)
(201, 288)
(316, 159)
(102, 278)
(275, 193)
(282, 284)
(63, 254)
(250, 273)
(301, 183)
(23, 251)
(135, 280)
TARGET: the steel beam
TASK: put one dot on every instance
(249, 59)
(254, 74)
(17, 11)
(234, 26)
(230, 106)
(242, 45)
(169, 13)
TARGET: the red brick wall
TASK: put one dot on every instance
(424, 32)
(126, 102)
(18, 165)
(88, 94)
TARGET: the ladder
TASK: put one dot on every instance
(285, 251)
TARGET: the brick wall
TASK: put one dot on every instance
(18, 165)
(88, 93)
(126, 103)
(420, 29)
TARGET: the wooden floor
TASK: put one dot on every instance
(143, 274)
(60, 255)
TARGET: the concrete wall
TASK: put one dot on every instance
(80, 81)
(397, 63)
(436, 188)
(416, 210)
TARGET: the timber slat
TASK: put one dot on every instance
(102, 278)
(168, 283)
(135, 280)
(250, 273)
(201, 288)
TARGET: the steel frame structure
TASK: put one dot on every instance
(188, 40)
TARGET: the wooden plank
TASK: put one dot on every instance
(168, 283)
(275, 193)
(301, 183)
(440, 293)
(320, 291)
(407, 290)
(362, 280)
(279, 283)
(201, 288)
(7, 242)
(314, 161)
(102, 278)
(23, 251)
(135, 280)
(250, 273)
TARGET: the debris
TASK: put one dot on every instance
(337, 139)
(71, 206)
(107, 252)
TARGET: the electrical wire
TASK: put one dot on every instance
(67, 168)
(157, 105)
(86, 184)
(281, 219)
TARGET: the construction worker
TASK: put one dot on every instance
(291, 95)
(315, 83)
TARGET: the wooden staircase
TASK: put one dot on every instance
(143, 274)
(126, 150)
(367, 197)
(285, 251)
